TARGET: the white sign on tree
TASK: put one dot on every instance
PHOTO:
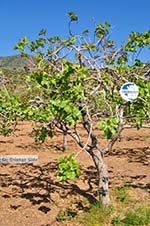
(129, 91)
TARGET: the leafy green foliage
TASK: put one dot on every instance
(65, 91)
(41, 134)
(73, 16)
(60, 89)
(109, 126)
(42, 32)
(136, 40)
(10, 110)
(68, 168)
(141, 107)
(102, 30)
(23, 42)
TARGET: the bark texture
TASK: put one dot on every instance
(102, 175)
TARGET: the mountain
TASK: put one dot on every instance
(17, 62)
(22, 63)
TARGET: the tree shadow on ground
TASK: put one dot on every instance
(145, 186)
(140, 155)
(39, 185)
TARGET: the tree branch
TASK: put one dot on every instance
(117, 135)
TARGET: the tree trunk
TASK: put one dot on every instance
(101, 167)
(65, 143)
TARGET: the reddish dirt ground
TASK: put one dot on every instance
(31, 195)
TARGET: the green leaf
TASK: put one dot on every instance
(85, 32)
(107, 25)
(73, 16)
(102, 30)
(109, 126)
(42, 32)
(68, 168)
(23, 42)
(40, 134)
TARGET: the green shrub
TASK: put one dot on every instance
(123, 194)
(97, 215)
(68, 168)
(116, 221)
(138, 217)
(134, 217)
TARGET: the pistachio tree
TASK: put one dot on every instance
(77, 80)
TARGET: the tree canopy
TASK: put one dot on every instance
(78, 80)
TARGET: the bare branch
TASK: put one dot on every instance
(117, 135)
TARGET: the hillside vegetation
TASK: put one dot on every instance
(16, 62)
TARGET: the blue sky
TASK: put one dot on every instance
(25, 18)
